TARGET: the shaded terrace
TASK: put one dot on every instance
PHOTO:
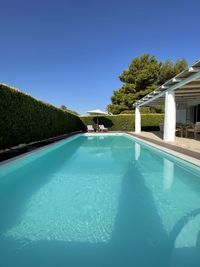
(181, 98)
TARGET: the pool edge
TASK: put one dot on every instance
(192, 160)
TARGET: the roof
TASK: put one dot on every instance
(186, 86)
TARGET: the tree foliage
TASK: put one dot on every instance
(144, 74)
(169, 69)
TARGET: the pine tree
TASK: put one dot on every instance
(144, 74)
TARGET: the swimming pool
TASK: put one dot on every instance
(99, 200)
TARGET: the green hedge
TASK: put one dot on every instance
(24, 119)
(124, 122)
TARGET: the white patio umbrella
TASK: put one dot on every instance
(97, 112)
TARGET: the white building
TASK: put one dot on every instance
(181, 97)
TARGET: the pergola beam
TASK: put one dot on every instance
(187, 81)
(194, 69)
(173, 87)
(176, 80)
(192, 74)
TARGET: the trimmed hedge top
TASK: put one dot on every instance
(24, 119)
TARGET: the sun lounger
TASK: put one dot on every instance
(90, 129)
(102, 128)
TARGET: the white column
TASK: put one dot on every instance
(170, 117)
(137, 120)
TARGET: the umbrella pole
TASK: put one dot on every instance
(97, 125)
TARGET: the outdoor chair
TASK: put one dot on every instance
(179, 129)
(102, 128)
(195, 128)
(90, 129)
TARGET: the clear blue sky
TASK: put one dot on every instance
(71, 52)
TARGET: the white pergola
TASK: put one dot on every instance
(183, 87)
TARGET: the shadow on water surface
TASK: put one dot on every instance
(138, 234)
(133, 241)
(138, 238)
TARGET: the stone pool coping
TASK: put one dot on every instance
(22, 149)
(182, 153)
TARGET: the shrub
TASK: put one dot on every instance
(24, 119)
(124, 122)
(128, 112)
(146, 110)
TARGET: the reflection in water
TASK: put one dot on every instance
(175, 190)
(168, 173)
(90, 138)
(137, 151)
(93, 205)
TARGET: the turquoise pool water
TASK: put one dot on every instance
(99, 201)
